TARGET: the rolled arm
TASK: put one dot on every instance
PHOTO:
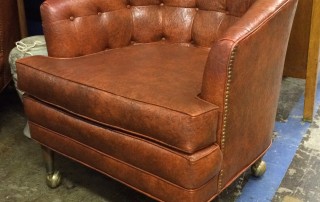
(270, 22)
(243, 77)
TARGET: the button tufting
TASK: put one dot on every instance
(71, 18)
(197, 9)
(163, 38)
(161, 4)
(99, 13)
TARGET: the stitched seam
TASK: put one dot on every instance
(157, 43)
(103, 125)
(113, 127)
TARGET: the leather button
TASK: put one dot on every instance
(99, 13)
(71, 18)
(161, 4)
(163, 38)
(197, 9)
(128, 6)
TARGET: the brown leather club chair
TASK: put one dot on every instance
(172, 98)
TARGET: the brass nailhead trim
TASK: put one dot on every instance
(226, 107)
(226, 99)
(220, 180)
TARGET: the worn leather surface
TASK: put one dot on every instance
(114, 24)
(144, 182)
(9, 34)
(149, 90)
(148, 156)
(161, 77)
(255, 79)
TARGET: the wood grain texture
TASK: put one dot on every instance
(297, 54)
(313, 61)
(9, 34)
(22, 19)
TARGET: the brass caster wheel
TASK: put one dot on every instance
(259, 168)
(54, 180)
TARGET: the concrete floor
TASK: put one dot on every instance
(302, 180)
(22, 172)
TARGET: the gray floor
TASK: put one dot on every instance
(302, 180)
(22, 172)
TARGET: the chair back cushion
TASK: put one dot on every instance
(81, 27)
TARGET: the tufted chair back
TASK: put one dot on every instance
(179, 101)
(97, 25)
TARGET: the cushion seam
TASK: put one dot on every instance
(135, 137)
(115, 159)
(122, 130)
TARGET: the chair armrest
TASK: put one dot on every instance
(243, 77)
(262, 34)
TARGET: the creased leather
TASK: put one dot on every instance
(191, 22)
(143, 182)
(255, 80)
(184, 88)
(148, 156)
(134, 93)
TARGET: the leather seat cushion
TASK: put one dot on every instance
(147, 90)
(139, 153)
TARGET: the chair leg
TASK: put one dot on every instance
(258, 168)
(53, 178)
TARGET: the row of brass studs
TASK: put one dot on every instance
(226, 108)
(226, 99)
